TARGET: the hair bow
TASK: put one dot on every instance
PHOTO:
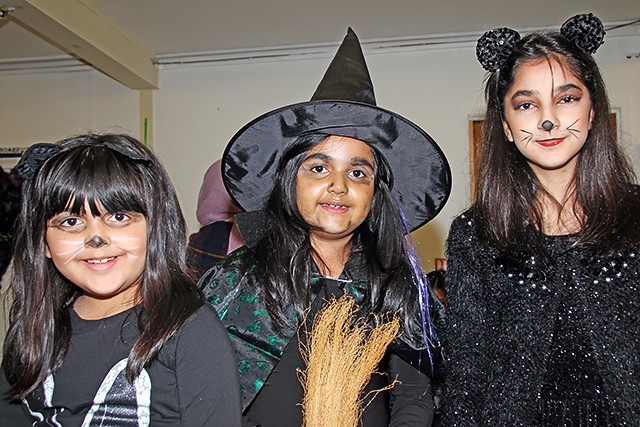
(33, 158)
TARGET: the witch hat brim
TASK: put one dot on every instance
(422, 177)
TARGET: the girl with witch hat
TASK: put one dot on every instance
(542, 279)
(332, 187)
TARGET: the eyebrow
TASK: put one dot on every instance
(361, 161)
(567, 87)
(559, 89)
(320, 156)
(355, 161)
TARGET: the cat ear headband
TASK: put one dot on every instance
(494, 47)
(34, 157)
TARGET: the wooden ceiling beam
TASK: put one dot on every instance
(79, 29)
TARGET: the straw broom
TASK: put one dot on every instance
(341, 354)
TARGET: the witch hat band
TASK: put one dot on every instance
(343, 105)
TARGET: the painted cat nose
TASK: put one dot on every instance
(95, 242)
(547, 125)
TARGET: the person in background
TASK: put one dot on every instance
(437, 283)
(542, 276)
(218, 234)
(10, 184)
(436, 280)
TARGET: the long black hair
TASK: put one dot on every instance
(122, 175)
(506, 190)
(286, 252)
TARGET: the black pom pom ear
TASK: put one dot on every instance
(495, 46)
(585, 31)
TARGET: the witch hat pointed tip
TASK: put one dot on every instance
(347, 77)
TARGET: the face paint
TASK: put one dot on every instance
(128, 244)
(96, 242)
(334, 187)
(547, 93)
(548, 125)
(63, 248)
(103, 255)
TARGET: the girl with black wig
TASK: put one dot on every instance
(331, 189)
(542, 279)
(106, 325)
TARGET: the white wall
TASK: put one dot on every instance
(198, 109)
(50, 106)
(438, 90)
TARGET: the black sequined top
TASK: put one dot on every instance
(571, 392)
(548, 340)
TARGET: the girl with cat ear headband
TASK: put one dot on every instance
(106, 325)
(542, 269)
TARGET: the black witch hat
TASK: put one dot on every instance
(344, 105)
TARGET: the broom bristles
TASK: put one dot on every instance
(341, 354)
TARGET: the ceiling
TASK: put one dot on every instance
(126, 38)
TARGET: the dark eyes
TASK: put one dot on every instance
(119, 217)
(569, 99)
(70, 222)
(564, 100)
(322, 170)
(524, 106)
(76, 223)
(318, 169)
